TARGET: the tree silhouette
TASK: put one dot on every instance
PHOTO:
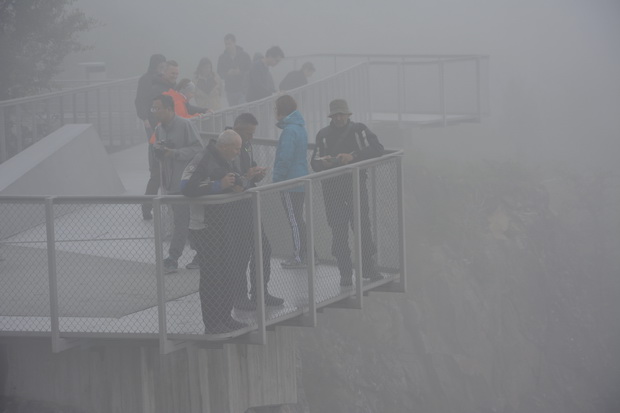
(35, 36)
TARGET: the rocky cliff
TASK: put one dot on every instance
(512, 302)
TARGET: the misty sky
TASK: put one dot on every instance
(555, 64)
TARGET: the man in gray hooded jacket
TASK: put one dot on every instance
(177, 142)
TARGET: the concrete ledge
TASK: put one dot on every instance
(70, 161)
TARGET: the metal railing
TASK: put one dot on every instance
(108, 106)
(415, 89)
(78, 268)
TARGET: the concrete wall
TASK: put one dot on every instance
(70, 161)
(123, 376)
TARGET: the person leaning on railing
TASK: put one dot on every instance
(341, 143)
(221, 240)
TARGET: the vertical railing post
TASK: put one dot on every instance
(86, 110)
(260, 276)
(61, 110)
(310, 252)
(442, 92)
(399, 87)
(74, 106)
(98, 97)
(478, 91)
(159, 275)
(3, 154)
(18, 128)
(357, 238)
(58, 344)
(401, 224)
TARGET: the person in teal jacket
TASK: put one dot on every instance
(291, 162)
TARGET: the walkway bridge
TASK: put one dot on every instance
(81, 270)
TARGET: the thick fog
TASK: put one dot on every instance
(555, 89)
(554, 85)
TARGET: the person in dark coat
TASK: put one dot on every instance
(222, 243)
(341, 143)
(144, 99)
(297, 78)
(260, 81)
(233, 66)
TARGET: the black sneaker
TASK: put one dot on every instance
(225, 326)
(170, 266)
(292, 263)
(273, 301)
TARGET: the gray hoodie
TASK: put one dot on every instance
(181, 136)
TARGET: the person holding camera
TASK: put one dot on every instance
(176, 143)
(341, 143)
(221, 236)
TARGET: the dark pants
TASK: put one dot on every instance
(294, 206)
(223, 252)
(338, 197)
(180, 214)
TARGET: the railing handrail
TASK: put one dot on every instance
(207, 199)
(66, 92)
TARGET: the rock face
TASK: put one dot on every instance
(512, 302)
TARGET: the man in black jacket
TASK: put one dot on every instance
(245, 125)
(144, 99)
(222, 244)
(341, 143)
(233, 66)
(260, 81)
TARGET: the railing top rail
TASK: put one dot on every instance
(390, 56)
(66, 92)
(209, 199)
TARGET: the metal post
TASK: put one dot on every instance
(357, 238)
(260, 277)
(74, 106)
(442, 93)
(3, 155)
(48, 115)
(121, 118)
(61, 110)
(399, 69)
(98, 97)
(310, 252)
(478, 97)
(373, 194)
(18, 127)
(159, 274)
(86, 114)
(110, 123)
(58, 344)
(402, 224)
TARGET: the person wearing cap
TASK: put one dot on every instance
(341, 143)
(297, 78)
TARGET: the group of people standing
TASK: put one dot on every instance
(222, 235)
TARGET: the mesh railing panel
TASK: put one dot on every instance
(24, 289)
(105, 257)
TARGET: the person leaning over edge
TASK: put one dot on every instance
(341, 143)
(223, 247)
